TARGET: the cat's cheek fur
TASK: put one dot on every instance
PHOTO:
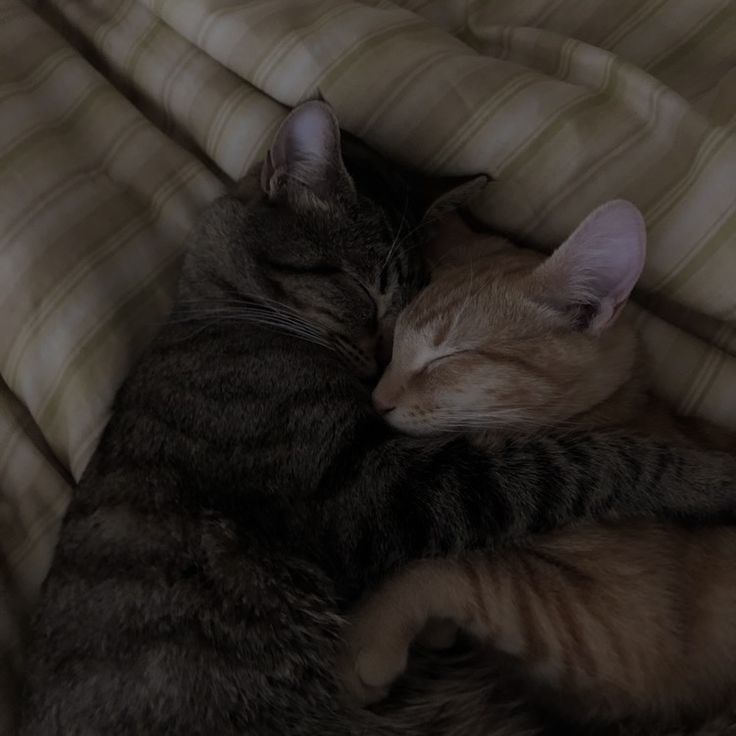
(410, 420)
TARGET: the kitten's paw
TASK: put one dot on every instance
(368, 670)
(354, 689)
(438, 634)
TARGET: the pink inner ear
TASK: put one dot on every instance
(310, 131)
(305, 146)
(600, 262)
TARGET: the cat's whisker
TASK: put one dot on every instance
(396, 240)
(289, 320)
(276, 316)
(260, 302)
(427, 220)
(404, 251)
(280, 326)
(246, 308)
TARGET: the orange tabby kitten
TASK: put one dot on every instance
(634, 620)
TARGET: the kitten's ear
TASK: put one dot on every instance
(304, 165)
(591, 275)
(441, 201)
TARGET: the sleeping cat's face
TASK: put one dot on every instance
(513, 340)
(325, 251)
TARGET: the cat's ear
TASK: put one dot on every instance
(304, 165)
(591, 275)
(446, 232)
(442, 201)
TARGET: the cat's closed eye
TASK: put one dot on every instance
(444, 359)
(317, 268)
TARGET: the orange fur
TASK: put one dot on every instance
(619, 622)
(635, 620)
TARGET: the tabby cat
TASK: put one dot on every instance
(635, 620)
(245, 490)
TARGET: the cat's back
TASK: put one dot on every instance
(174, 548)
(219, 407)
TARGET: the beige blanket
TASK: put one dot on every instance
(120, 120)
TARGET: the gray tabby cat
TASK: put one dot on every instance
(245, 491)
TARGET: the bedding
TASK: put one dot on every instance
(120, 120)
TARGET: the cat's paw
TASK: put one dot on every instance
(357, 689)
(367, 669)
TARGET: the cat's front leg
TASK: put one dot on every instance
(384, 625)
(378, 636)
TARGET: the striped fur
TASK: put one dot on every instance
(601, 98)
(245, 491)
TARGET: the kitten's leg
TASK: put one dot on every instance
(383, 627)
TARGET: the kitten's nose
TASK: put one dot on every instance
(382, 406)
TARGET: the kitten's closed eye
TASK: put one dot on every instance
(446, 357)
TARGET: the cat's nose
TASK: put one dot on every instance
(382, 406)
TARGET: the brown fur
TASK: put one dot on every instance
(629, 621)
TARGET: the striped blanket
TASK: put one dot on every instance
(120, 120)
